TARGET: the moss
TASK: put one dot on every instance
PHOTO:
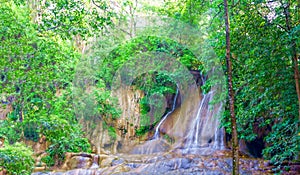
(142, 130)
(169, 139)
(112, 132)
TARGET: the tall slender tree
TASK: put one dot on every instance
(235, 149)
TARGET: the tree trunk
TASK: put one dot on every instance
(296, 74)
(235, 149)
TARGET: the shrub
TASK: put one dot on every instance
(63, 137)
(10, 130)
(72, 143)
(16, 159)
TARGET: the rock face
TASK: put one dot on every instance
(175, 126)
(38, 147)
(124, 136)
(98, 136)
(129, 121)
(107, 141)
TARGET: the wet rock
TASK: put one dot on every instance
(184, 163)
(95, 163)
(228, 161)
(151, 146)
(159, 168)
(107, 162)
(224, 166)
(133, 165)
(166, 164)
(80, 160)
(41, 173)
(102, 157)
(105, 152)
(80, 172)
(222, 153)
(266, 163)
(117, 161)
(117, 169)
(39, 169)
(176, 124)
(211, 165)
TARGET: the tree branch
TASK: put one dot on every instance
(220, 10)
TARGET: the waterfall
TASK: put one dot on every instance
(156, 134)
(203, 131)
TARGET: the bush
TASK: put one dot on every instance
(63, 137)
(72, 143)
(16, 159)
(283, 142)
(10, 130)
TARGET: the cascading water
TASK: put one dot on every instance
(155, 144)
(156, 134)
(204, 131)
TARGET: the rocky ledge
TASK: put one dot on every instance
(162, 163)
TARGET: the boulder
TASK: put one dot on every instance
(80, 160)
(107, 162)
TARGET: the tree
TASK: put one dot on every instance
(235, 147)
(293, 47)
(263, 77)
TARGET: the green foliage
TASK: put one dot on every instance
(30, 130)
(38, 58)
(265, 95)
(169, 139)
(48, 160)
(63, 137)
(34, 67)
(112, 132)
(16, 159)
(284, 147)
(74, 142)
(142, 130)
(157, 87)
(10, 130)
(92, 100)
(71, 18)
(106, 105)
(53, 127)
(151, 83)
(36, 80)
(261, 47)
(128, 50)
